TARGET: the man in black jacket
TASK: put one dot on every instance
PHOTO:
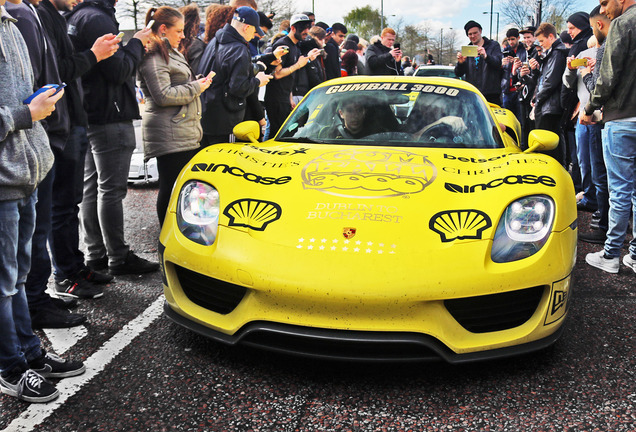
(515, 51)
(229, 56)
(483, 71)
(67, 178)
(278, 95)
(332, 48)
(383, 58)
(111, 105)
(547, 101)
(45, 312)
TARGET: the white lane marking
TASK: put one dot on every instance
(37, 413)
(64, 338)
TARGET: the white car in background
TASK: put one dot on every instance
(142, 172)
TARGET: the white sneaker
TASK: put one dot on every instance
(598, 260)
(629, 262)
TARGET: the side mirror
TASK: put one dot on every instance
(247, 131)
(542, 140)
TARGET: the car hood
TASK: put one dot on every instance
(370, 197)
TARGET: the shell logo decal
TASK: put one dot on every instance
(252, 213)
(460, 224)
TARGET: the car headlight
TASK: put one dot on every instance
(523, 229)
(198, 212)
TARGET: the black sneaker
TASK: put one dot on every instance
(95, 276)
(98, 264)
(596, 236)
(53, 317)
(134, 265)
(28, 386)
(52, 366)
(77, 287)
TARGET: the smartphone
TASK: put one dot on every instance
(120, 35)
(396, 46)
(211, 75)
(58, 88)
(150, 24)
(578, 62)
(469, 51)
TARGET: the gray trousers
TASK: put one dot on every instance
(105, 187)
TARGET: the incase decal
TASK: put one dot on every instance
(251, 213)
(559, 304)
(508, 180)
(239, 172)
(460, 224)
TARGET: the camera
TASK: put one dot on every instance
(258, 67)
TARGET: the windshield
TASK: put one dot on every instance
(393, 114)
(435, 71)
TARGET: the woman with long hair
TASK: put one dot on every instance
(171, 123)
(216, 20)
(191, 46)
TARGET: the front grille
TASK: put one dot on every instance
(213, 294)
(342, 344)
(495, 312)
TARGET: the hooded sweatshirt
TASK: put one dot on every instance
(25, 154)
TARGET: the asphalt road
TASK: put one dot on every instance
(145, 373)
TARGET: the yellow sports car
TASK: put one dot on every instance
(391, 218)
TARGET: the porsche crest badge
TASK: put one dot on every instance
(348, 233)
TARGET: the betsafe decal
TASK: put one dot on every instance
(508, 180)
(356, 173)
(252, 213)
(460, 224)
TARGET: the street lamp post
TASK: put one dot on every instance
(381, 15)
(491, 13)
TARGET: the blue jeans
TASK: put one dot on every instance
(583, 144)
(619, 150)
(599, 174)
(18, 343)
(105, 187)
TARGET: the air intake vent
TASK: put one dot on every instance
(495, 312)
(213, 294)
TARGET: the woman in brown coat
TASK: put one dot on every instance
(171, 124)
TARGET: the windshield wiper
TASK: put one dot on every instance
(301, 140)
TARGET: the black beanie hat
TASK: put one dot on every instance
(470, 24)
(580, 20)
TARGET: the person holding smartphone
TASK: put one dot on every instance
(384, 56)
(25, 160)
(171, 124)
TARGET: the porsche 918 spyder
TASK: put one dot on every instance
(390, 218)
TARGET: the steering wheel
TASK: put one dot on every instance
(441, 132)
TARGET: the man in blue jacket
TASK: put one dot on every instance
(228, 55)
(111, 105)
(483, 71)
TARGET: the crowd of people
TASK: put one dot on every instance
(577, 84)
(65, 153)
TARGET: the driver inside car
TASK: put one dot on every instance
(355, 121)
(429, 117)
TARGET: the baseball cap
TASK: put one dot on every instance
(528, 29)
(298, 18)
(247, 15)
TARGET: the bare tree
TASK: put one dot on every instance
(521, 13)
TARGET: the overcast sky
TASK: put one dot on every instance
(438, 13)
